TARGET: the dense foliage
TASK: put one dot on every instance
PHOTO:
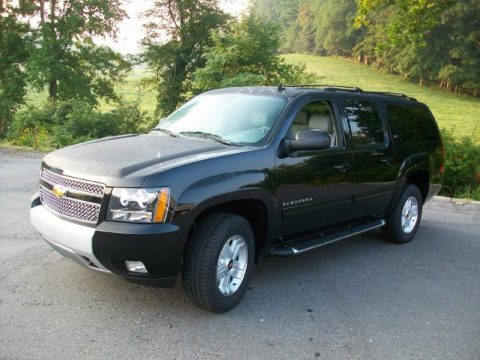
(436, 41)
(56, 125)
(462, 167)
(246, 54)
(177, 34)
(13, 54)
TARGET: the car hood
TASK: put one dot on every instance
(127, 160)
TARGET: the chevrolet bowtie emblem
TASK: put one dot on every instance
(59, 191)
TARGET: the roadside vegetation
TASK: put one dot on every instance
(57, 87)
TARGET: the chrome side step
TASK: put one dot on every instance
(298, 247)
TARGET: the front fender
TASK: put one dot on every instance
(224, 188)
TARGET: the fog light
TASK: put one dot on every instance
(136, 266)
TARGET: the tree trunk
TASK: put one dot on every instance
(42, 12)
(475, 92)
(1, 16)
(53, 25)
(53, 83)
(52, 90)
(421, 81)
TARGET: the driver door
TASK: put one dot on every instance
(314, 188)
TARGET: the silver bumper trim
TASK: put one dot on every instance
(81, 260)
(72, 240)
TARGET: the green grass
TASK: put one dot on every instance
(457, 113)
(135, 85)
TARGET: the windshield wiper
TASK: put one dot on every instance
(206, 135)
(165, 131)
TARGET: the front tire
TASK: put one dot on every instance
(218, 261)
(403, 222)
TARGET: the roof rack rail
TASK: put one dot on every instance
(345, 88)
(388, 93)
(326, 87)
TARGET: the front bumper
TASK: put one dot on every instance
(105, 247)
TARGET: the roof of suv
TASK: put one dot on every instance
(295, 90)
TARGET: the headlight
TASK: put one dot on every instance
(139, 205)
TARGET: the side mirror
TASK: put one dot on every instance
(309, 139)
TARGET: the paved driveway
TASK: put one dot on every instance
(362, 298)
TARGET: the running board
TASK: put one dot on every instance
(296, 248)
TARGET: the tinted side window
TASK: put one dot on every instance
(364, 123)
(412, 123)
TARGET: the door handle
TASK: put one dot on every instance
(386, 161)
(344, 167)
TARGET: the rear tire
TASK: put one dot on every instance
(403, 222)
(218, 261)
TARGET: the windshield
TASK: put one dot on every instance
(232, 118)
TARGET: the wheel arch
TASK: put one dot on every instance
(256, 206)
(415, 170)
(421, 179)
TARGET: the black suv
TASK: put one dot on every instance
(238, 174)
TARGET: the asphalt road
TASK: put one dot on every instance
(362, 298)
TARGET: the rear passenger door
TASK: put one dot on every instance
(374, 166)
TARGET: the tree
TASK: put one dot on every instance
(401, 34)
(458, 38)
(334, 30)
(246, 54)
(284, 14)
(300, 35)
(64, 56)
(13, 55)
(176, 38)
(312, 26)
(436, 40)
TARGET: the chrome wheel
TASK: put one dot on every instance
(409, 214)
(232, 265)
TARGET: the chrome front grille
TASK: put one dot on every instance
(71, 204)
(71, 183)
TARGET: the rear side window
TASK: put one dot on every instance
(364, 122)
(412, 123)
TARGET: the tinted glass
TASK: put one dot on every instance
(364, 123)
(239, 118)
(412, 123)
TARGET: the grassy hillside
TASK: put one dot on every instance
(460, 114)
